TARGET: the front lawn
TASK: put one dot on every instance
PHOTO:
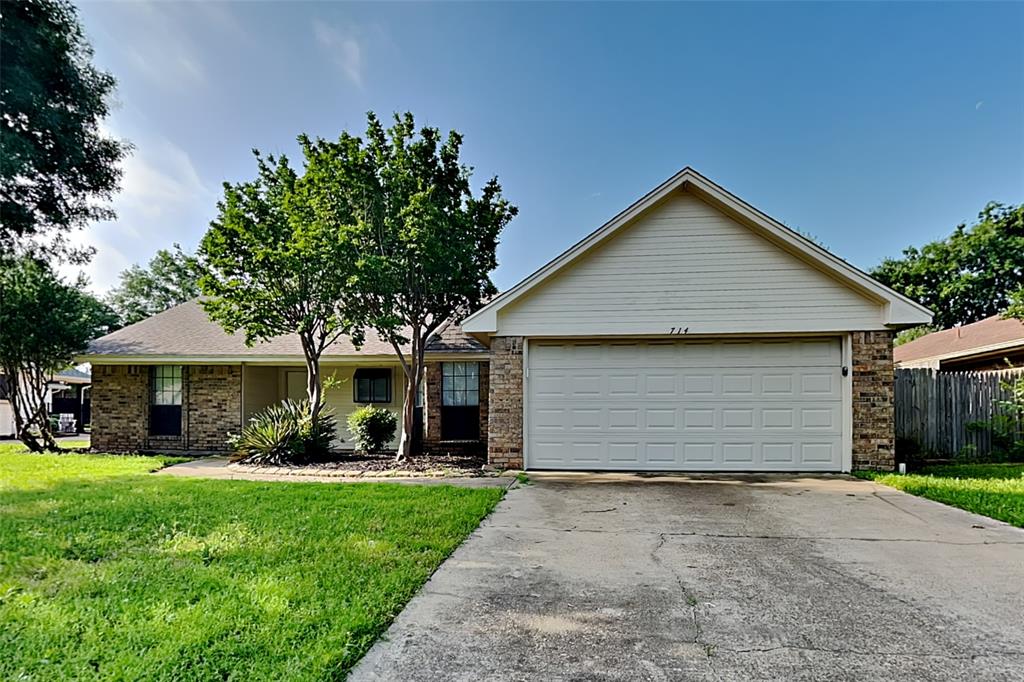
(993, 490)
(108, 572)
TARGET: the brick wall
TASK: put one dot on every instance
(873, 434)
(214, 405)
(505, 419)
(432, 440)
(211, 407)
(120, 407)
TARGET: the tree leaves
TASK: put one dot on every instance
(58, 168)
(968, 276)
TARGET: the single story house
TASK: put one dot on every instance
(689, 333)
(988, 344)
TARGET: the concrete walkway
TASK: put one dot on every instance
(220, 468)
(716, 578)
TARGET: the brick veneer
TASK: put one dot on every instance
(214, 406)
(873, 434)
(211, 407)
(432, 441)
(120, 407)
(505, 419)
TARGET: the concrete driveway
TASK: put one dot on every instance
(606, 577)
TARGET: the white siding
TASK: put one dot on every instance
(684, 264)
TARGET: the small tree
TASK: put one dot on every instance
(171, 278)
(44, 323)
(424, 245)
(271, 269)
(58, 168)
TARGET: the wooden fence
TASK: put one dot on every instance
(934, 408)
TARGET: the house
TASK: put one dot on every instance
(67, 397)
(984, 345)
(178, 381)
(691, 333)
(67, 392)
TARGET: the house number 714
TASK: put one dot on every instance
(679, 330)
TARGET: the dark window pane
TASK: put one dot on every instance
(373, 385)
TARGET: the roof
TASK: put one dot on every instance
(991, 334)
(185, 331)
(900, 311)
(72, 376)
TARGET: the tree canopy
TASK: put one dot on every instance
(423, 244)
(58, 168)
(46, 321)
(968, 276)
(172, 277)
(271, 268)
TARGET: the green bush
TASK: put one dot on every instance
(372, 428)
(285, 434)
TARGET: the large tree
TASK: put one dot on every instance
(424, 243)
(44, 322)
(172, 277)
(57, 168)
(270, 268)
(967, 276)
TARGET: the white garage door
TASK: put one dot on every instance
(750, 405)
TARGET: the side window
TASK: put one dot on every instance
(372, 385)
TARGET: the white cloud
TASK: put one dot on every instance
(979, 104)
(162, 201)
(343, 48)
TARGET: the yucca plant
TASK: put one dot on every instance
(285, 433)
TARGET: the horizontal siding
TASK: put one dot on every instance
(685, 264)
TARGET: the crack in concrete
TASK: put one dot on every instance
(738, 536)
(691, 599)
(895, 506)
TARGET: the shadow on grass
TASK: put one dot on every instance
(163, 578)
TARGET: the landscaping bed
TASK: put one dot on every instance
(107, 572)
(384, 465)
(993, 490)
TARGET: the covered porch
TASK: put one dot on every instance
(347, 387)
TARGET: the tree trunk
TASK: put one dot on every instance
(414, 378)
(314, 386)
(408, 420)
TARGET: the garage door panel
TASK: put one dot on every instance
(600, 406)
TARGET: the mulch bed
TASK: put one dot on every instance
(458, 465)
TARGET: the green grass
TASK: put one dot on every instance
(109, 573)
(993, 490)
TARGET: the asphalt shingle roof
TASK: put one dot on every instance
(962, 340)
(185, 330)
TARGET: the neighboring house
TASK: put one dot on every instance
(985, 345)
(67, 392)
(690, 333)
(7, 426)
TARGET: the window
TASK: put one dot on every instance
(460, 401)
(165, 400)
(460, 384)
(373, 386)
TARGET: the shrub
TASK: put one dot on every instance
(372, 428)
(285, 434)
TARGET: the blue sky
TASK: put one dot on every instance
(870, 126)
